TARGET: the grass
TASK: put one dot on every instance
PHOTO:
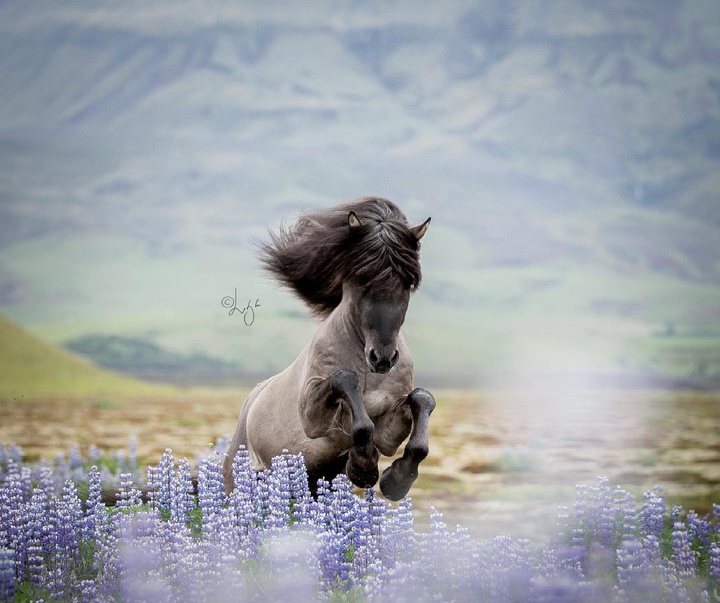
(32, 368)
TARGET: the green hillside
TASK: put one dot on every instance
(32, 367)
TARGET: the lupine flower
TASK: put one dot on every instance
(270, 540)
(652, 513)
(714, 565)
(7, 574)
(683, 554)
(211, 495)
(160, 482)
(182, 500)
(128, 495)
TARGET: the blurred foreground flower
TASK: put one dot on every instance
(271, 540)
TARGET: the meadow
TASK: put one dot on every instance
(499, 460)
(271, 540)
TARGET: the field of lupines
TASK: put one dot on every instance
(270, 540)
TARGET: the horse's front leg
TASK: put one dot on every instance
(398, 477)
(319, 416)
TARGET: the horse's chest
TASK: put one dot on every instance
(379, 402)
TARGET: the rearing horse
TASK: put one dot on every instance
(349, 394)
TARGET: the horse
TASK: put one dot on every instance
(349, 395)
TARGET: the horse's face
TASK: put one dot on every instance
(380, 320)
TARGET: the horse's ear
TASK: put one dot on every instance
(420, 230)
(353, 221)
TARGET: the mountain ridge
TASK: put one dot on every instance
(547, 140)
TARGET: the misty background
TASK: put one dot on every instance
(567, 151)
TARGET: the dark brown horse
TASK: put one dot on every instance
(349, 395)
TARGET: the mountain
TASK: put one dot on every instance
(32, 367)
(149, 361)
(567, 152)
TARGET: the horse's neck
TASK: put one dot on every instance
(344, 323)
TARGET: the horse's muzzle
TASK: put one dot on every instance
(381, 363)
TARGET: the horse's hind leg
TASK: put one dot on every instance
(398, 477)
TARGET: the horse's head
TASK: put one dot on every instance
(380, 322)
(384, 285)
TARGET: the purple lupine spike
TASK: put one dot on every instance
(714, 562)
(75, 457)
(341, 501)
(685, 558)
(243, 473)
(304, 505)
(94, 506)
(322, 502)
(211, 494)
(279, 493)
(261, 501)
(43, 476)
(69, 528)
(676, 513)
(652, 513)
(34, 570)
(62, 469)
(377, 508)
(182, 500)
(11, 499)
(604, 513)
(9, 454)
(630, 567)
(128, 494)
(579, 534)
(627, 515)
(13, 467)
(360, 540)
(94, 454)
(563, 523)
(159, 481)
(88, 592)
(13, 518)
(39, 537)
(298, 476)
(511, 571)
(700, 528)
(26, 480)
(106, 557)
(242, 498)
(7, 574)
(332, 560)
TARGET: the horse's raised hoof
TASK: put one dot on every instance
(362, 471)
(394, 483)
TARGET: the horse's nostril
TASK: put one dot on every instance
(395, 358)
(374, 358)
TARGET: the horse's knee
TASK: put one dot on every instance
(362, 433)
(344, 383)
(422, 399)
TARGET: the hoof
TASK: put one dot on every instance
(362, 479)
(362, 471)
(394, 486)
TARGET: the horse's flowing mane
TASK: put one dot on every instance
(316, 255)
